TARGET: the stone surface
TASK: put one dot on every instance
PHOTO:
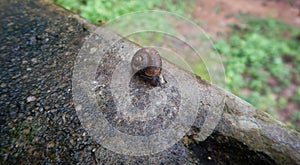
(39, 121)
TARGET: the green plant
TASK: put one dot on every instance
(255, 54)
(296, 119)
(109, 10)
(296, 96)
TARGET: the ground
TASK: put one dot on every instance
(216, 15)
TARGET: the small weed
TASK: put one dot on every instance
(217, 9)
(257, 53)
(109, 10)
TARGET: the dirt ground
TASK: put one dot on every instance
(215, 15)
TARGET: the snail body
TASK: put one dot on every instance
(147, 63)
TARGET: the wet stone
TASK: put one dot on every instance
(31, 99)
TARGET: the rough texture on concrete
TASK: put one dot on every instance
(39, 124)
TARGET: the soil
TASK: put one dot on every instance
(216, 16)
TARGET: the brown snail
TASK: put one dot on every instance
(147, 63)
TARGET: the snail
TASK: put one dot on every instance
(147, 63)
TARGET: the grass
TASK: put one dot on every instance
(262, 59)
(109, 10)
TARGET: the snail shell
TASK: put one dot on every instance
(148, 61)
